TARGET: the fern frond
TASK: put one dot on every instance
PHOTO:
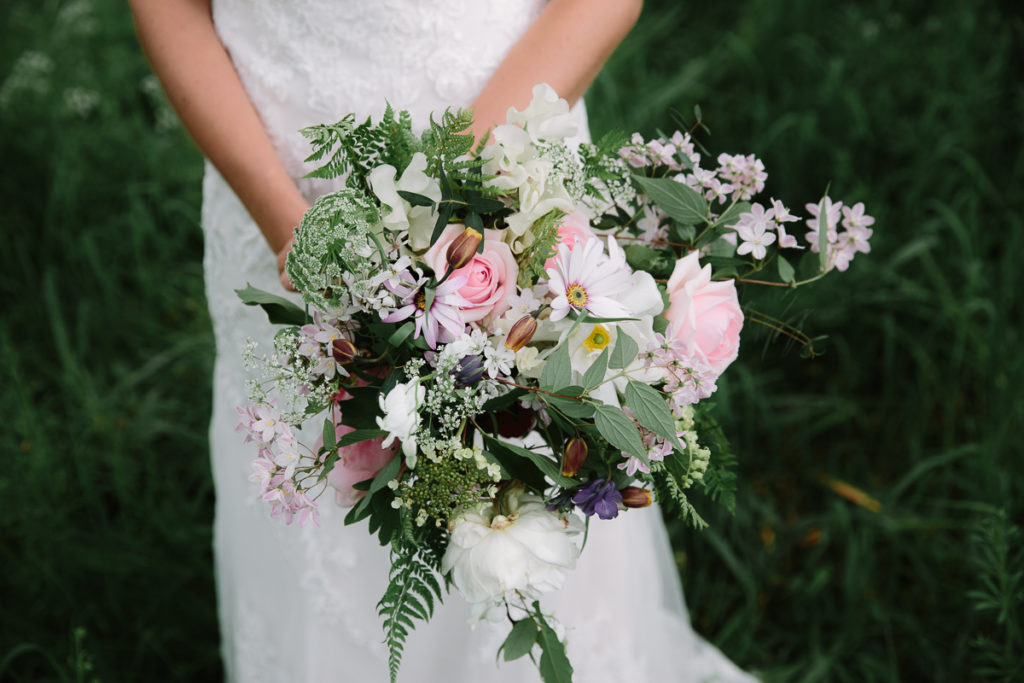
(412, 592)
(543, 247)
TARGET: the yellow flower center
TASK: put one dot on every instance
(598, 339)
(420, 300)
(577, 296)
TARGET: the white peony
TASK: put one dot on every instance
(418, 220)
(401, 408)
(518, 554)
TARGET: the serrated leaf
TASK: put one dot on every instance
(568, 406)
(554, 664)
(681, 202)
(786, 271)
(651, 411)
(619, 431)
(329, 434)
(596, 372)
(520, 640)
(415, 199)
(557, 371)
(624, 352)
(280, 311)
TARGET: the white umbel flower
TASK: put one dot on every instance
(523, 551)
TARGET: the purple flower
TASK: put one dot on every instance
(470, 370)
(599, 497)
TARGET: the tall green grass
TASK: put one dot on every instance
(911, 107)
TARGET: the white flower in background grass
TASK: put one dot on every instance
(520, 550)
(401, 416)
(584, 278)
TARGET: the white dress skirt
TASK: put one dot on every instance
(298, 604)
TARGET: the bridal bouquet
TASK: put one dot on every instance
(504, 342)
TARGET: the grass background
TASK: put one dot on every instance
(876, 535)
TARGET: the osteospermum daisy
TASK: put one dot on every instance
(442, 320)
(586, 279)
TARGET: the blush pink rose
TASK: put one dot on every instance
(490, 276)
(704, 315)
(358, 462)
(575, 228)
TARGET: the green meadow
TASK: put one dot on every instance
(876, 531)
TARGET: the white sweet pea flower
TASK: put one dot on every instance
(417, 220)
(547, 117)
(401, 408)
(521, 550)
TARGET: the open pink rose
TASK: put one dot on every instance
(490, 276)
(358, 462)
(575, 228)
(704, 315)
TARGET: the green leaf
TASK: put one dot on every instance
(360, 435)
(428, 297)
(443, 214)
(651, 411)
(474, 221)
(568, 406)
(732, 214)
(619, 431)
(329, 434)
(543, 462)
(520, 639)
(401, 334)
(823, 227)
(681, 202)
(624, 353)
(415, 199)
(786, 271)
(280, 311)
(557, 370)
(554, 664)
(485, 205)
(596, 372)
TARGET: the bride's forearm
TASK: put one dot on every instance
(565, 47)
(202, 85)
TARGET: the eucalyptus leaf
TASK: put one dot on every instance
(681, 202)
(651, 411)
(624, 353)
(620, 431)
(416, 199)
(280, 311)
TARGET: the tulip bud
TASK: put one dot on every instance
(574, 457)
(470, 370)
(343, 351)
(635, 497)
(521, 333)
(461, 250)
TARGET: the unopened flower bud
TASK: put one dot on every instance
(521, 333)
(574, 457)
(470, 370)
(461, 250)
(635, 497)
(343, 351)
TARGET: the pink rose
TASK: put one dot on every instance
(358, 462)
(704, 315)
(490, 276)
(575, 228)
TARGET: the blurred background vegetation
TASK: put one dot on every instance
(876, 533)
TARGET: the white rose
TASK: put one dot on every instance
(525, 550)
(402, 417)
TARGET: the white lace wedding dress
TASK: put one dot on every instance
(299, 604)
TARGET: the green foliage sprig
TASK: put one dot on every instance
(544, 246)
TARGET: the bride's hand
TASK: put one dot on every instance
(282, 256)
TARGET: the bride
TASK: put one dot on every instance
(245, 76)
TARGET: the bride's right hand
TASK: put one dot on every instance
(282, 256)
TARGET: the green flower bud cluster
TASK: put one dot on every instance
(446, 482)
